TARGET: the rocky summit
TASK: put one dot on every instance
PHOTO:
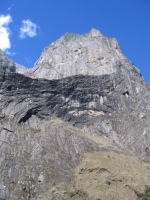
(76, 126)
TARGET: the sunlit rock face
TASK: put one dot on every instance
(79, 117)
(73, 54)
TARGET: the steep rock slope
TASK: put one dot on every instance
(9, 65)
(89, 121)
(73, 54)
(39, 151)
(116, 107)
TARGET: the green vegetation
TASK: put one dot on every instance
(145, 195)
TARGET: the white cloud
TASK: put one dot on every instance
(5, 32)
(9, 8)
(28, 28)
(10, 53)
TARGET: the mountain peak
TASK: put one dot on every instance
(95, 33)
(74, 54)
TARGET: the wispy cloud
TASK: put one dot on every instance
(28, 60)
(5, 32)
(10, 53)
(10, 7)
(28, 28)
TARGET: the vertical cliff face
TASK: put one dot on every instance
(73, 54)
(93, 107)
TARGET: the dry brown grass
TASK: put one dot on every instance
(109, 175)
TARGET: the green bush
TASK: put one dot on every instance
(145, 195)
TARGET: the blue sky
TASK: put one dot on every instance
(27, 26)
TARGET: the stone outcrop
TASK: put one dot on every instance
(110, 105)
(9, 65)
(73, 54)
(92, 108)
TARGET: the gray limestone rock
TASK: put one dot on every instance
(73, 54)
(113, 106)
(9, 65)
